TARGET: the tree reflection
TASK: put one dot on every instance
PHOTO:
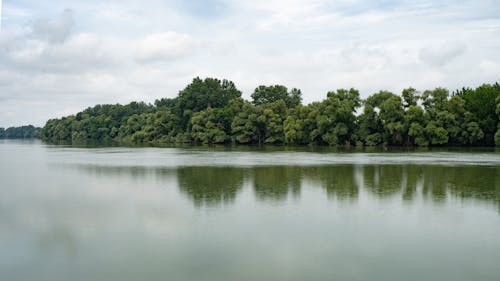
(210, 185)
(338, 181)
(433, 182)
(220, 185)
(384, 180)
(462, 182)
(276, 182)
(412, 181)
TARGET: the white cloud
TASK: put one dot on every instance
(78, 53)
(165, 46)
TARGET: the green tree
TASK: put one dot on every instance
(497, 110)
(165, 126)
(436, 134)
(410, 97)
(392, 116)
(21, 132)
(436, 105)
(300, 126)
(371, 129)
(207, 126)
(201, 94)
(273, 117)
(246, 128)
(336, 121)
(210, 92)
(416, 122)
(481, 103)
(435, 100)
(383, 119)
(269, 94)
(166, 103)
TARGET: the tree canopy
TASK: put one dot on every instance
(22, 132)
(212, 111)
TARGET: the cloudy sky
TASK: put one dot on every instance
(58, 57)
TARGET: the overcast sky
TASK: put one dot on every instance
(58, 57)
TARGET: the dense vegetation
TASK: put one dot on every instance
(23, 132)
(212, 111)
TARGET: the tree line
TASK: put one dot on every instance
(22, 132)
(212, 111)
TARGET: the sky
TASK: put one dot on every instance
(57, 59)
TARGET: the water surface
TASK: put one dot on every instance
(117, 213)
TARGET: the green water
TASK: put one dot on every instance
(116, 213)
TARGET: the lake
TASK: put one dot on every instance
(221, 213)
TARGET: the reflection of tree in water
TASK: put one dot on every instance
(412, 179)
(462, 182)
(216, 185)
(383, 180)
(276, 182)
(210, 185)
(433, 182)
(338, 181)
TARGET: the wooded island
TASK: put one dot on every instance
(212, 111)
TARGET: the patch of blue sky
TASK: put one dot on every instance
(205, 9)
(352, 8)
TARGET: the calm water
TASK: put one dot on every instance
(70, 213)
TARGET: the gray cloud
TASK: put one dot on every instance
(54, 30)
(442, 54)
(164, 46)
(52, 46)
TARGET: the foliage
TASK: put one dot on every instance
(23, 132)
(212, 111)
(202, 94)
(482, 103)
(269, 94)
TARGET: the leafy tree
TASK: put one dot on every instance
(481, 103)
(22, 132)
(370, 126)
(435, 100)
(472, 133)
(292, 130)
(300, 127)
(336, 121)
(436, 134)
(246, 128)
(392, 116)
(461, 126)
(167, 103)
(436, 104)
(58, 130)
(497, 110)
(416, 122)
(410, 97)
(383, 119)
(269, 94)
(201, 94)
(165, 126)
(273, 117)
(207, 126)
(133, 127)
